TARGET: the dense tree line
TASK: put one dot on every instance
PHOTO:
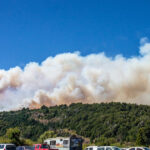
(105, 123)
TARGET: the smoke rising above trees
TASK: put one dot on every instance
(70, 78)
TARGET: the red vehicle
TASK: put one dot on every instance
(41, 147)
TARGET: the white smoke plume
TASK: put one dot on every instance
(69, 78)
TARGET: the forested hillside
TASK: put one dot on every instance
(104, 123)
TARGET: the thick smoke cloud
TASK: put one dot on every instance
(69, 78)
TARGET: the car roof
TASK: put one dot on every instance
(107, 146)
(138, 147)
(92, 146)
(6, 144)
(24, 146)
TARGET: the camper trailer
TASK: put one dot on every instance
(65, 143)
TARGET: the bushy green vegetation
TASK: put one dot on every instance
(103, 124)
(13, 136)
(46, 135)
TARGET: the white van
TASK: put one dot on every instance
(65, 143)
(7, 147)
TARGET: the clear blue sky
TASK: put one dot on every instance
(32, 30)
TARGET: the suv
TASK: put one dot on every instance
(7, 147)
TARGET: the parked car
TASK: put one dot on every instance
(24, 148)
(108, 148)
(41, 147)
(92, 148)
(138, 148)
(7, 147)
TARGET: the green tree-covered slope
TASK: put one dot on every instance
(115, 121)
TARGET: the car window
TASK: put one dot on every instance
(101, 148)
(65, 142)
(37, 146)
(139, 148)
(44, 146)
(28, 148)
(18, 148)
(108, 148)
(116, 148)
(132, 149)
(10, 147)
(90, 148)
(52, 142)
(1, 146)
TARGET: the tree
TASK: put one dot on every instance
(45, 135)
(14, 135)
(44, 109)
(143, 136)
(140, 138)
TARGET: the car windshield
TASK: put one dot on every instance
(1, 146)
(146, 148)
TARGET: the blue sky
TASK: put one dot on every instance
(32, 30)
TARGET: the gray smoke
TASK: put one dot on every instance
(69, 78)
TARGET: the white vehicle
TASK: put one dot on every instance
(65, 143)
(7, 147)
(138, 148)
(108, 148)
(92, 148)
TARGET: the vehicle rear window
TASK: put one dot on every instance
(19, 148)
(139, 148)
(44, 146)
(10, 147)
(76, 142)
(100, 148)
(132, 149)
(28, 147)
(1, 146)
(108, 148)
(116, 148)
